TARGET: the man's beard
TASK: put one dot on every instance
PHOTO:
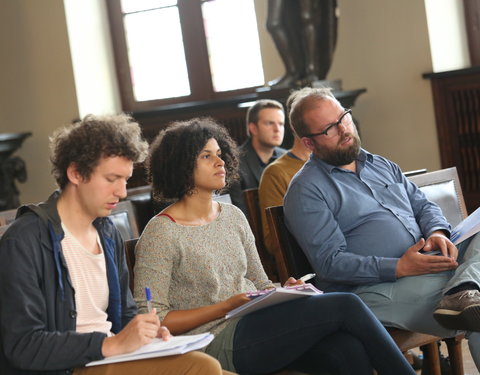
(341, 157)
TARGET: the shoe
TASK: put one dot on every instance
(459, 311)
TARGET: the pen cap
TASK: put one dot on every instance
(147, 294)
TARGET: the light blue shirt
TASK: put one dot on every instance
(353, 227)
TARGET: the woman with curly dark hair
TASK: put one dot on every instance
(199, 259)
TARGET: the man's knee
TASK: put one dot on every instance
(201, 364)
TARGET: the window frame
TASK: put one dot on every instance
(196, 55)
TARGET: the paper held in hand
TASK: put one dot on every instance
(467, 228)
(270, 297)
(160, 348)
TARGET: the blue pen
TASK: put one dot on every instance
(148, 295)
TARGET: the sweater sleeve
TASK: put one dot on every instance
(154, 260)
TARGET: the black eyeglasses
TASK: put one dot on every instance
(332, 129)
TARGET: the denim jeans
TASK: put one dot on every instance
(334, 333)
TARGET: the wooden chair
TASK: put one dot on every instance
(255, 221)
(130, 258)
(291, 261)
(123, 217)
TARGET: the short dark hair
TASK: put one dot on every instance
(254, 110)
(302, 100)
(173, 156)
(87, 141)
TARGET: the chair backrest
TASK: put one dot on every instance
(130, 258)
(289, 257)
(255, 220)
(443, 187)
(141, 198)
(123, 218)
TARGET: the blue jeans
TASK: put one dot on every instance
(334, 333)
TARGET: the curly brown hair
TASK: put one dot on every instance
(86, 142)
(174, 152)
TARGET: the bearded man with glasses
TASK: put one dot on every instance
(362, 223)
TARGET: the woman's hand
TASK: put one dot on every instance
(292, 282)
(236, 301)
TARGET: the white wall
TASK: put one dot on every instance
(37, 91)
(383, 46)
(92, 57)
(447, 33)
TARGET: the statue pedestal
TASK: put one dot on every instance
(346, 98)
(11, 169)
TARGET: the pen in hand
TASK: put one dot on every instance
(148, 296)
(307, 277)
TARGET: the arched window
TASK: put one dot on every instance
(174, 51)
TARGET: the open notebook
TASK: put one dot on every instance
(160, 348)
(270, 297)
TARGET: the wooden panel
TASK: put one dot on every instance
(456, 97)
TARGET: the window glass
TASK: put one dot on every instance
(156, 54)
(233, 45)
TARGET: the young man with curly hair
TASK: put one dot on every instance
(64, 295)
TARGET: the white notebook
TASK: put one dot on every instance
(270, 297)
(160, 348)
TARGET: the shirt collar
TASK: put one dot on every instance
(362, 159)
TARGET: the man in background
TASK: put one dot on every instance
(265, 130)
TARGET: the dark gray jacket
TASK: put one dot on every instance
(37, 306)
(251, 169)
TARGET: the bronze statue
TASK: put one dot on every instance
(305, 34)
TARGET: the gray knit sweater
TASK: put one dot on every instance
(188, 267)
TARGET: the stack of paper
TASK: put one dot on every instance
(160, 348)
(262, 299)
(467, 228)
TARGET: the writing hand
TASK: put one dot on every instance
(292, 281)
(413, 263)
(141, 330)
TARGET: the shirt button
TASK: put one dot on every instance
(73, 314)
